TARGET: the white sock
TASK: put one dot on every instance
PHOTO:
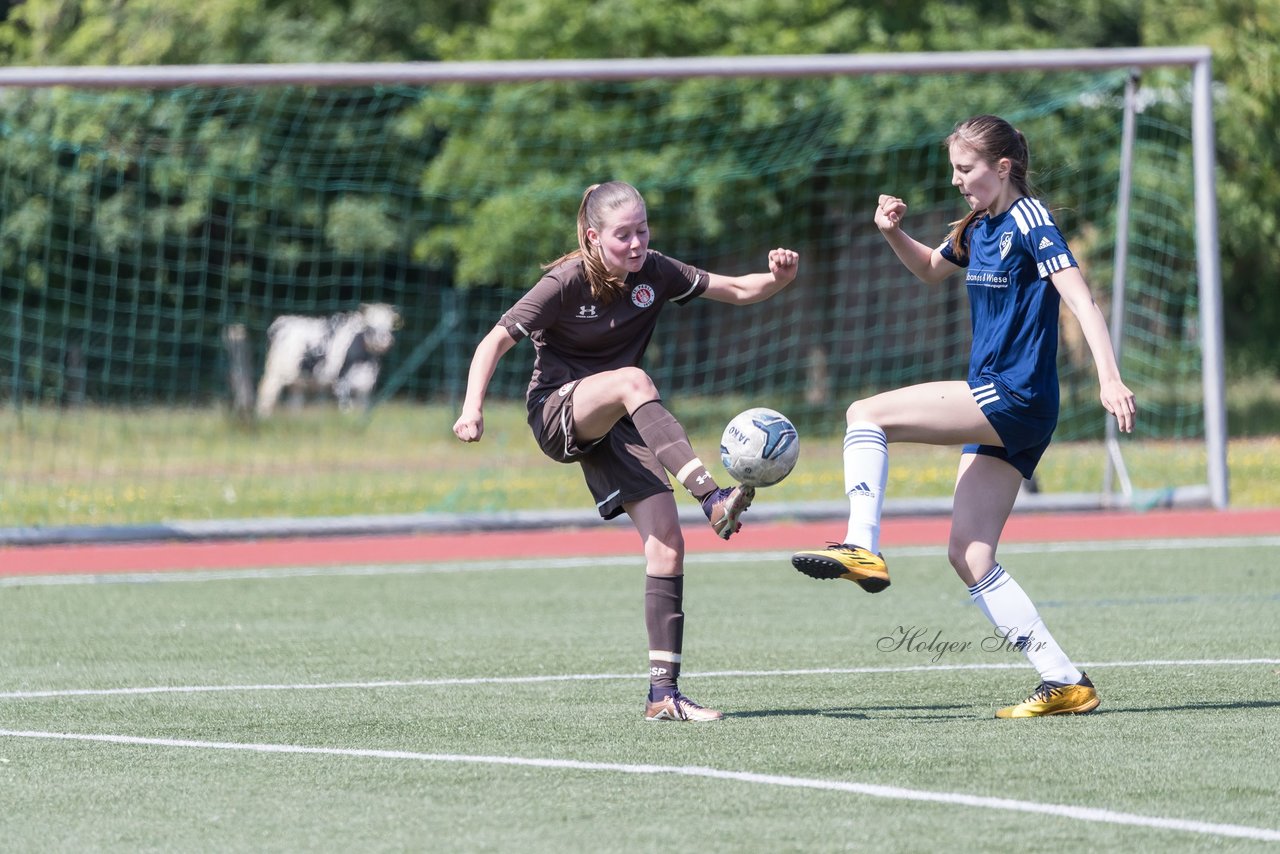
(1016, 620)
(866, 471)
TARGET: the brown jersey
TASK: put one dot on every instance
(575, 336)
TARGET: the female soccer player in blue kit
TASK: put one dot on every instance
(1017, 269)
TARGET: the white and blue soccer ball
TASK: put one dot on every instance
(759, 447)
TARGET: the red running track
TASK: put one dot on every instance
(605, 540)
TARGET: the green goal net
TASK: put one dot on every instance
(149, 236)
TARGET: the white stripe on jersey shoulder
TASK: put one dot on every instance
(523, 331)
(1030, 213)
(691, 289)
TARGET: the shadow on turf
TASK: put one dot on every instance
(1239, 705)
(952, 711)
(930, 712)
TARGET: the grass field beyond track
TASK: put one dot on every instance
(499, 709)
(111, 468)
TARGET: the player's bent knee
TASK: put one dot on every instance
(664, 562)
(635, 385)
(970, 560)
(664, 552)
(862, 411)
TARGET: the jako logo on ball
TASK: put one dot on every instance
(759, 447)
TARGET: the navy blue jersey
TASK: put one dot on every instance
(1013, 305)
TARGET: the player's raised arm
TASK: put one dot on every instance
(754, 287)
(925, 264)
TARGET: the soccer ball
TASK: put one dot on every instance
(759, 447)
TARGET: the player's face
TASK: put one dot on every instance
(981, 183)
(623, 239)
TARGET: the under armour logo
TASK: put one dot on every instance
(587, 311)
(702, 478)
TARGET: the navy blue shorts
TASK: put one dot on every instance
(1025, 429)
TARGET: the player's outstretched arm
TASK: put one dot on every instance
(1116, 397)
(470, 424)
(754, 287)
(925, 264)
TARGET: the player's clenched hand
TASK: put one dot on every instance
(784, 264)
(889, 212)
(469, 427)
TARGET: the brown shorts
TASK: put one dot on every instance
(618, 467)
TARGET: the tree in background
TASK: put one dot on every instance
(1245, 36)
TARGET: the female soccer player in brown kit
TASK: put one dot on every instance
(590, 318)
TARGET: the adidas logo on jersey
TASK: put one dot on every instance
(1045, 243)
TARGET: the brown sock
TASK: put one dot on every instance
(670, 444)
(663, 595)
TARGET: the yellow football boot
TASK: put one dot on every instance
(1054, 699)
(852, 563)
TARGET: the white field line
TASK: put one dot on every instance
(485, 565)
(598, 677)
(1075, 813)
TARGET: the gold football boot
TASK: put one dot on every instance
(1052, 698)
(852, 563)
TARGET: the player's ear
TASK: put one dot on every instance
(593, 237)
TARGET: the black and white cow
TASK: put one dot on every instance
(341, 354)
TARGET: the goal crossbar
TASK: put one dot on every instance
(362, 74)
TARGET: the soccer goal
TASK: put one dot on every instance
(155, 222)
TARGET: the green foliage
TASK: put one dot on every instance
(131, 184)
(162, 32)
(1244, 34)
(356, 225)
(1245, 38)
